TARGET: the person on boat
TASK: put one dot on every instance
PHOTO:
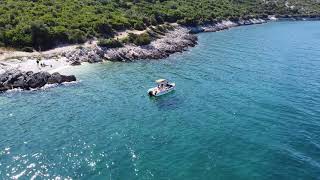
(162, 87)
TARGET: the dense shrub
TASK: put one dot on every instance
(110, 43)
(40, 35)
(104, 29)
(42, 24)
(77, 36)
(139, 39)
(188, 21)
(158, 29)
(139, 26)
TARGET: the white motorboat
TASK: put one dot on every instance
(163, 87)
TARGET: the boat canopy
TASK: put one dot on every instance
(161, 81)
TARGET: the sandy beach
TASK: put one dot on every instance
(52, 60)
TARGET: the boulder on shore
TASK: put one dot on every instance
(57, 78)
(28, 80)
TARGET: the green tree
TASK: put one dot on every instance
(77, 36)
(40, 35)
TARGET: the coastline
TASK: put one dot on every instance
(179, 39)
(176, 40)
(227, 24)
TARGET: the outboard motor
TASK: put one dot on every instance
(151, 93)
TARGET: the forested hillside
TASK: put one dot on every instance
(42, 24)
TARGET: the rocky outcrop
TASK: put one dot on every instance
(57, 78)
(226, 24)
(28, 80)
(173, 41)
(176, 40)
(91, 55)
(298, 17)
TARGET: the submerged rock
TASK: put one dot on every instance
(26, 80)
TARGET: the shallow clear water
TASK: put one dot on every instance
(247, 106)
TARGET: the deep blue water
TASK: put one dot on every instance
(247, 106)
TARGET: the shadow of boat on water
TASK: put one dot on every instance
(168, 101)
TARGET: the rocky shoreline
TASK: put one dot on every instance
(16, 79)
(179, 39)
(26, 74)
(225, 24)
(298, 17)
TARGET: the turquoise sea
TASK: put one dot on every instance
(247, 106)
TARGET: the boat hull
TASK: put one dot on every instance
(155, 92)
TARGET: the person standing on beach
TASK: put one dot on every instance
(38, 63)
